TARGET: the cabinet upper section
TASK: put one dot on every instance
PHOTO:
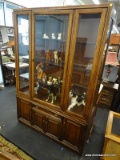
(61, 50)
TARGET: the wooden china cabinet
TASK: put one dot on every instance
(63, 47)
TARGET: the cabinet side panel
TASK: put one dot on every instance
(24, 111)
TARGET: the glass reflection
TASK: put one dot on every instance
(2, 21)
(50, 47)
(88, 25)
(23, 48)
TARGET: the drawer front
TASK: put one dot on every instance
(105, 100)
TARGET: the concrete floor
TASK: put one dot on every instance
(39, 146)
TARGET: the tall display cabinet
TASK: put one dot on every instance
(59, 56)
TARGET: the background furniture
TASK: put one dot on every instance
(112, 137)
(107, 95)
(114, 44)
(113, 52)
(6, 74)
(114, 39)
(60, 92)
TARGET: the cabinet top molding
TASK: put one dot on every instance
(104, 5)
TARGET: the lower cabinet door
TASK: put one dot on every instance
(24, 111)
(74, 135)
(38, 119)
(53, 127)
(46, 123)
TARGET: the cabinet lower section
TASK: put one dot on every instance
(46, 123)
(66, 131)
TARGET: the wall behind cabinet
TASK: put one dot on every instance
(88, 29)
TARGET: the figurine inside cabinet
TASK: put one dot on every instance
(39, 69)
(48, 56)
(76, 100)
(55, 57)
(51, 94)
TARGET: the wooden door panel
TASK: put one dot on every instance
(45, 122)
(38, 120)
(53, 127)
(72, 133)
(24, 110)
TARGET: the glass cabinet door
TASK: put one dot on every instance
(51, 47)
(86, 39)
(23, 50)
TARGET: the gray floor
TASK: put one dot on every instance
(39, 146)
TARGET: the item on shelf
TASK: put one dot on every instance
(45, 36)
(36, 88)
(51, 94)
(71, 94)
(49, 82)
(55, 57)
(55, 81)
(44, 78)
(89, 67)
(59, 35)
(40, 68)
(76, 100)
(60, 81)
(41, 83)
(59, 57)
(48, 56)
(53, 36)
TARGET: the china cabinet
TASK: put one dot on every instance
(63, 47)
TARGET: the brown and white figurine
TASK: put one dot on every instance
(39, 68)
(48, 56)
(56, 56)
